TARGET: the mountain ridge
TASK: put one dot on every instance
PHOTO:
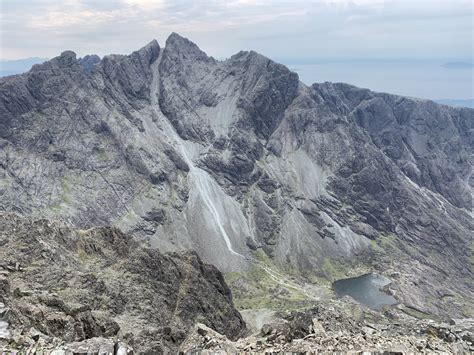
(182, 150)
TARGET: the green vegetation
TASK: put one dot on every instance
(102, 154)
(65, 196)
(332, 269)
(256, 288)
(66, 190)
(383, 243)
(470, 252)
(20, 245)
(268, 284)
(56, 207)
(81, 254)
(467, 311)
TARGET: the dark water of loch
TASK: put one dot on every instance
(365, 289)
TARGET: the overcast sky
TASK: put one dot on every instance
(294, 32)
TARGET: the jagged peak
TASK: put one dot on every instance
(181, 45)
(93, 57)
(67, 54)
(259, 62)
(254, 57)
(88, 61)
(149, 52)
(177, 38)
(258, 59)
(64, 60)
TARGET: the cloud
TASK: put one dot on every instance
(299, 29)
(146, 5)
(59, 20)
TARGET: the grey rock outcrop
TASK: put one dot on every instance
(76, 285)
(88, 62)
(327, 329)
(430, 143)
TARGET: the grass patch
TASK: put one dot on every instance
(332, 269)
(102, 154)
(81, 254)
(467, 311)
(56, 207)
(255, 288)
(384, 243)
(66, 198)
(470, 248)
(66, 195)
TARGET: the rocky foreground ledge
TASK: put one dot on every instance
(321, 329)
(325, 329)
(64, 286)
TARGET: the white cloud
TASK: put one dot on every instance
(58, 20)
(145, 4)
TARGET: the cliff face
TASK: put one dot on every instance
(430, 143)
(229, 157)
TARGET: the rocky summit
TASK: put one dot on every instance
(123, 178)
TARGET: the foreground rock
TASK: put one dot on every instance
(326, 329)
(61, 285)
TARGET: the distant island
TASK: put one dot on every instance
(18, 66)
